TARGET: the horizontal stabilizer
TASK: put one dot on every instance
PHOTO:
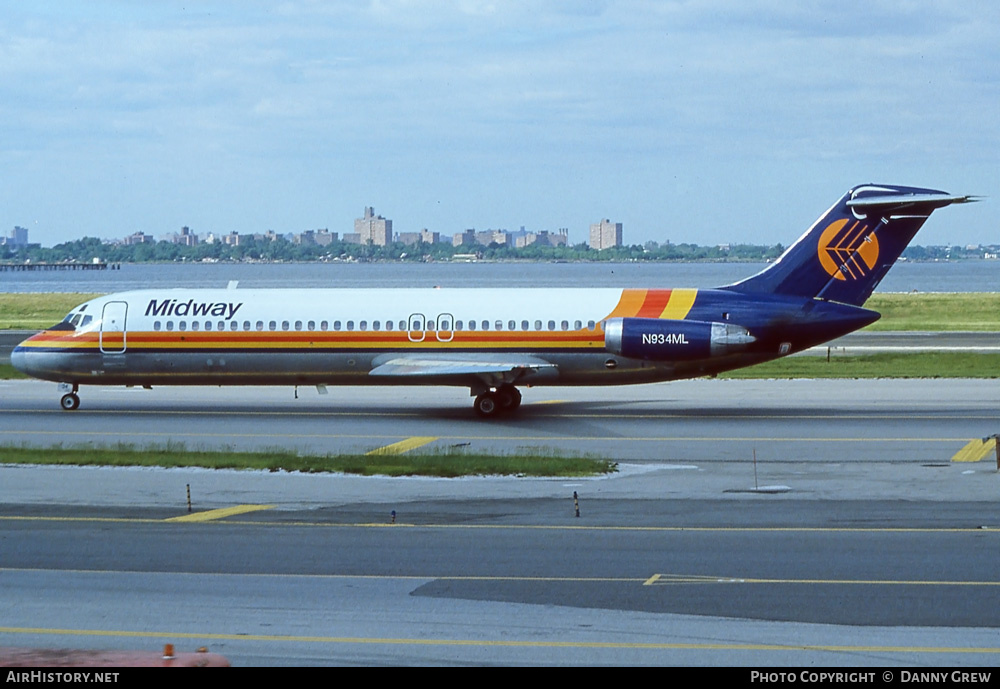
(912, 203)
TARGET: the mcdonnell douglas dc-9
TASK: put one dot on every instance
(490, 340)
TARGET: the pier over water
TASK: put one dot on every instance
(15, 267)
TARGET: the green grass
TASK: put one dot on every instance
(8, 372)
(889, 365)
(449, 463)
(978, 311)
(31, 311)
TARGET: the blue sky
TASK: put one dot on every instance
(707, 121)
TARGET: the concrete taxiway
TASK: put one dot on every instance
(867, 545)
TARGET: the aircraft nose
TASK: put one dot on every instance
(20, 357)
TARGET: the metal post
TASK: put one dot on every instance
(576, 503)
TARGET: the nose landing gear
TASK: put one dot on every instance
(70, 401)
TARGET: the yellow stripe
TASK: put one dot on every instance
(681, 301)
(219, 514)
(975, 450)
(404, 445)
(498, 643)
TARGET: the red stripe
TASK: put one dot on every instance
(656, 301)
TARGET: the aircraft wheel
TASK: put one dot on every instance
(486, 405)
(70, 402)
(508, 397)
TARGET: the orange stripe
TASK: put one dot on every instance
(180, 341)
(628, 304)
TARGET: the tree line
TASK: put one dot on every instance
(282, 250)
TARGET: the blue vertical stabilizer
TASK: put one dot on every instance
(847, 252)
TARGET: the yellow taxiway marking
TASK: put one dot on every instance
(656, 579)
(715, 439)
(509, 643)
(976, 450)
(404, 445)
(617, 414)
(211, 515)
(666, 579)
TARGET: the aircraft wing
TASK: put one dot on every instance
(493, 367)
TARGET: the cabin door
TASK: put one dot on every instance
(113, 327)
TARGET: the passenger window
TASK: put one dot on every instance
(350, 325)
(182, 325)
(565, 325)
(194, 325)
(208, 325)
(445, 324)
(577, 325)
(233, 325)
(363, 325)
(246, 326)
(323, 325)
(472, 325)
(486, 325)
(591, 324)
(498, 325)
(552, 325)
(525, 325)
(170, 325)
(272, 325)
(156, 325)
(511, 325)
(311, 325)
(458, 325)
(298, 325)
(388, 325)
(336, 325)
(284, 325)
(222, 326)
(538, 325)
(430, 325)
(402, 325)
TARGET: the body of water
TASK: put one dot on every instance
(964, 276)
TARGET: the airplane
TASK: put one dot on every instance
(490, 340)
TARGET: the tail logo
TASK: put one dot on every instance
(847, 253)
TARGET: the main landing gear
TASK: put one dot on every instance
(71, 401)
(504, 400)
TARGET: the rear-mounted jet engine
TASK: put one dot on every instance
(660, 339)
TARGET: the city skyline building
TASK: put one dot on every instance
(605, 234)
(373, 228)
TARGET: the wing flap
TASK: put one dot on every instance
(513, 366)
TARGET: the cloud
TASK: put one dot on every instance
(466, 101)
